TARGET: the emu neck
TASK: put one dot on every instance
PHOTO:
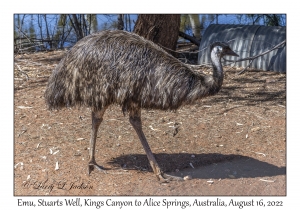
(217, 68)
(217, 78)
(212, 84)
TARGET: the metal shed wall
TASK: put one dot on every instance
(248, 40)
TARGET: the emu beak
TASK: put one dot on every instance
(230, 52)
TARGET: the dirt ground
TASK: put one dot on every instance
(233, 143)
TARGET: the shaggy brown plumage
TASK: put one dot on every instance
(121, 67)
(118, 67)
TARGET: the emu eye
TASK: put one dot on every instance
(219, 48)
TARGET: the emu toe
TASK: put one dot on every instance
(93, 165)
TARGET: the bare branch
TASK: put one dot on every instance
(76, 25)
(26, 37)
(190, 38)
(254, 57)
(30, 40)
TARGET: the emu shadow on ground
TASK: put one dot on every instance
(206, 166)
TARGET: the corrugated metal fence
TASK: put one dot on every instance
(248, 40)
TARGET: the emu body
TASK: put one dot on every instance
(118, 67)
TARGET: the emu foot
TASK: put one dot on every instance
(163, 177)
(93, 165)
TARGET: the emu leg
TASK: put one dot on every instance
(97, 117)
(135, 120)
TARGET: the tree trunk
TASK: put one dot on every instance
(120, 22)
(161, 29)
(48, 33)
(196, 26)
(77, 26)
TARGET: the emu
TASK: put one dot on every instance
(118, 67)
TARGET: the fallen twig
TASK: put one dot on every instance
(56, 166)
(154, 129)
(259, 153)
(23, 72)
(24, 107)
(264, 180)
(27, 61)
(192, 165)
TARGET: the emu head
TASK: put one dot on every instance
(222, 49)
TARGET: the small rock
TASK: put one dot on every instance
(231, 176)
(188, 177)
(255, 129)
(77, 153)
